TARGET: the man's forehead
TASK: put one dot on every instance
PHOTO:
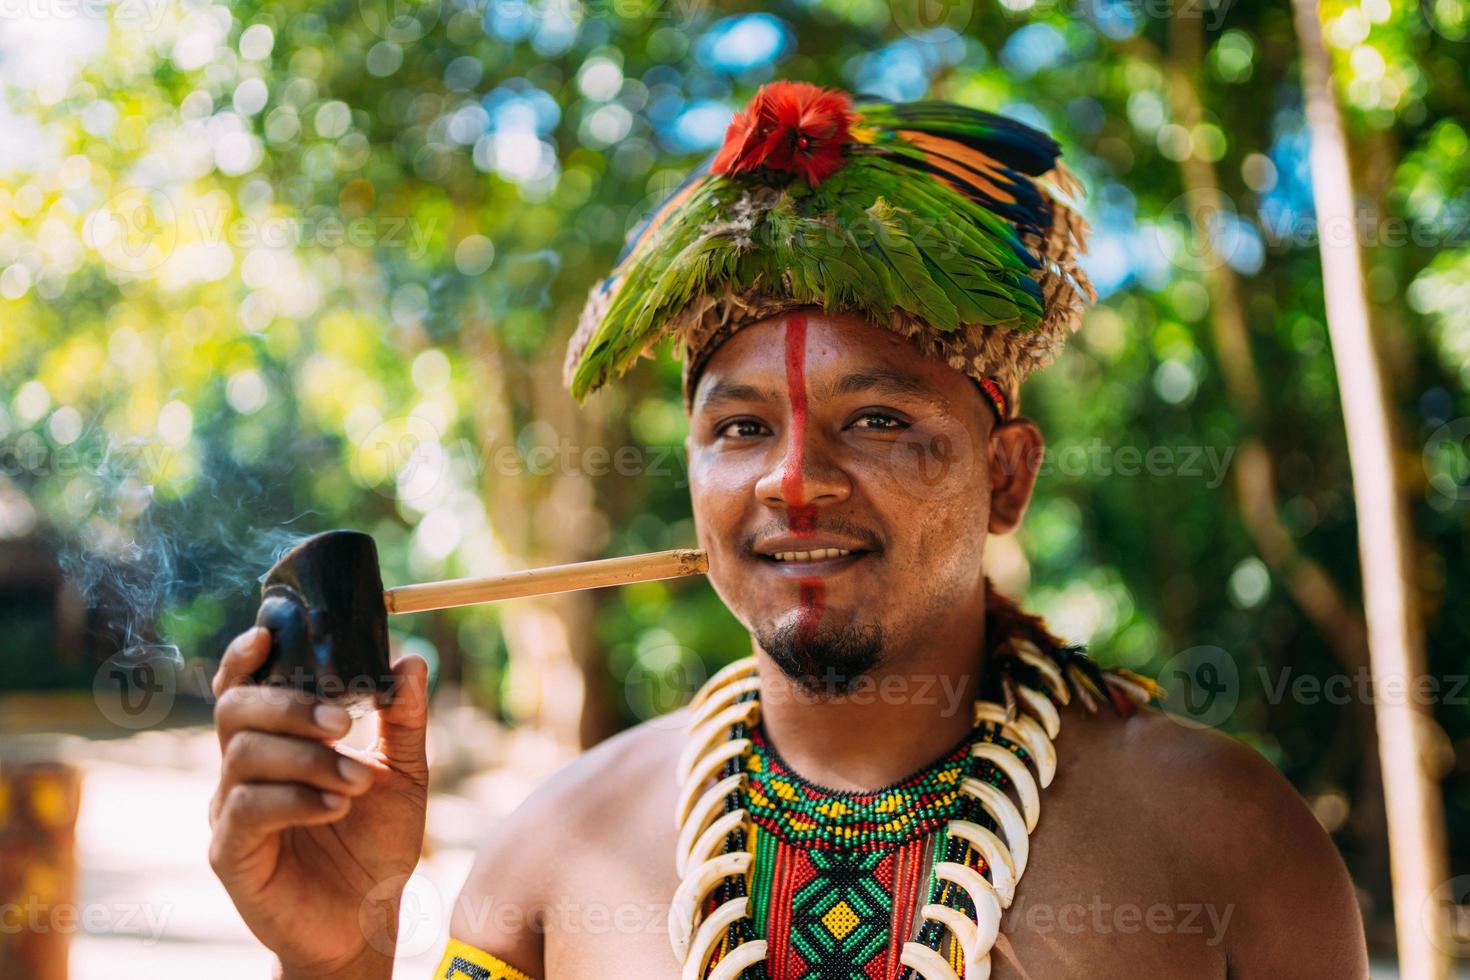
(755, 382)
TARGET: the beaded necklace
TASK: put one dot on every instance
(835, 877)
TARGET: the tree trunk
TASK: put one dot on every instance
(1395, 639)
(554, 664)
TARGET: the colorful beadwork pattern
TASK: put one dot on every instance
(838, 876)
(835, 913)
(814, 817)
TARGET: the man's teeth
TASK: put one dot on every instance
(820, 554)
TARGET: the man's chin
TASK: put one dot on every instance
(827, 659)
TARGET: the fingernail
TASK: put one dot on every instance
(333, 800)
(331, 718)
(352, 770)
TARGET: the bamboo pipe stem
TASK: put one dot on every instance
(546, 581)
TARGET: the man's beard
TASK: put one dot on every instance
(827, 661)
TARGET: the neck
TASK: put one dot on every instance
(905, 713)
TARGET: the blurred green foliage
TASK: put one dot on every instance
(267, 269)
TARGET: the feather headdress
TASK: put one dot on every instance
(952, 226)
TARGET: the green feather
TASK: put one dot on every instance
(891, 239)
(880, 234)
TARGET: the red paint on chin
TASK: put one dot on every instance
(813, 599)
(800, 515)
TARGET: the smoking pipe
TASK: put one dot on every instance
(327, 611)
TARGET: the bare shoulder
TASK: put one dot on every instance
(1230, 799)
(608, 793)
(1236, 828)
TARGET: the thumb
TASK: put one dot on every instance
(404, 722)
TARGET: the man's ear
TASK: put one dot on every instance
(1016, 449)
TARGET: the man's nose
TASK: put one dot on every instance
(804, 472)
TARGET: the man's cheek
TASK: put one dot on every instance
(902, 479)
(946, 532)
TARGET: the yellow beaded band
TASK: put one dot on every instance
(464, 962)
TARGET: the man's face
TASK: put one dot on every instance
(843, 487)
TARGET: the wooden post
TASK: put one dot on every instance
(39, 797)
(1415, 811)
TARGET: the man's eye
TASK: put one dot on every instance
(878, 421)
(741, 428)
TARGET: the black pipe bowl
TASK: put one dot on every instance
(323, 604)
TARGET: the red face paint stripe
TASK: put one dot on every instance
(800, 515)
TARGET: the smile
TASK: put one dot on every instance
(819, 554)
(816, 563)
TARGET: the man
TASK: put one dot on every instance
(857, 293)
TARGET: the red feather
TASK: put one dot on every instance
(794, 127)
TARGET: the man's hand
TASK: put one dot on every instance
(314, 841)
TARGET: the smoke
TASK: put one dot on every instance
(142, 561)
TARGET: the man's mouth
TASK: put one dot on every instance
(819, 554)
(806, 562)
(815, 552)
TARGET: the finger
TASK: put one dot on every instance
(251, 812)
(277, 710)
(243, 657)
(403, 723)
(256, 757)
